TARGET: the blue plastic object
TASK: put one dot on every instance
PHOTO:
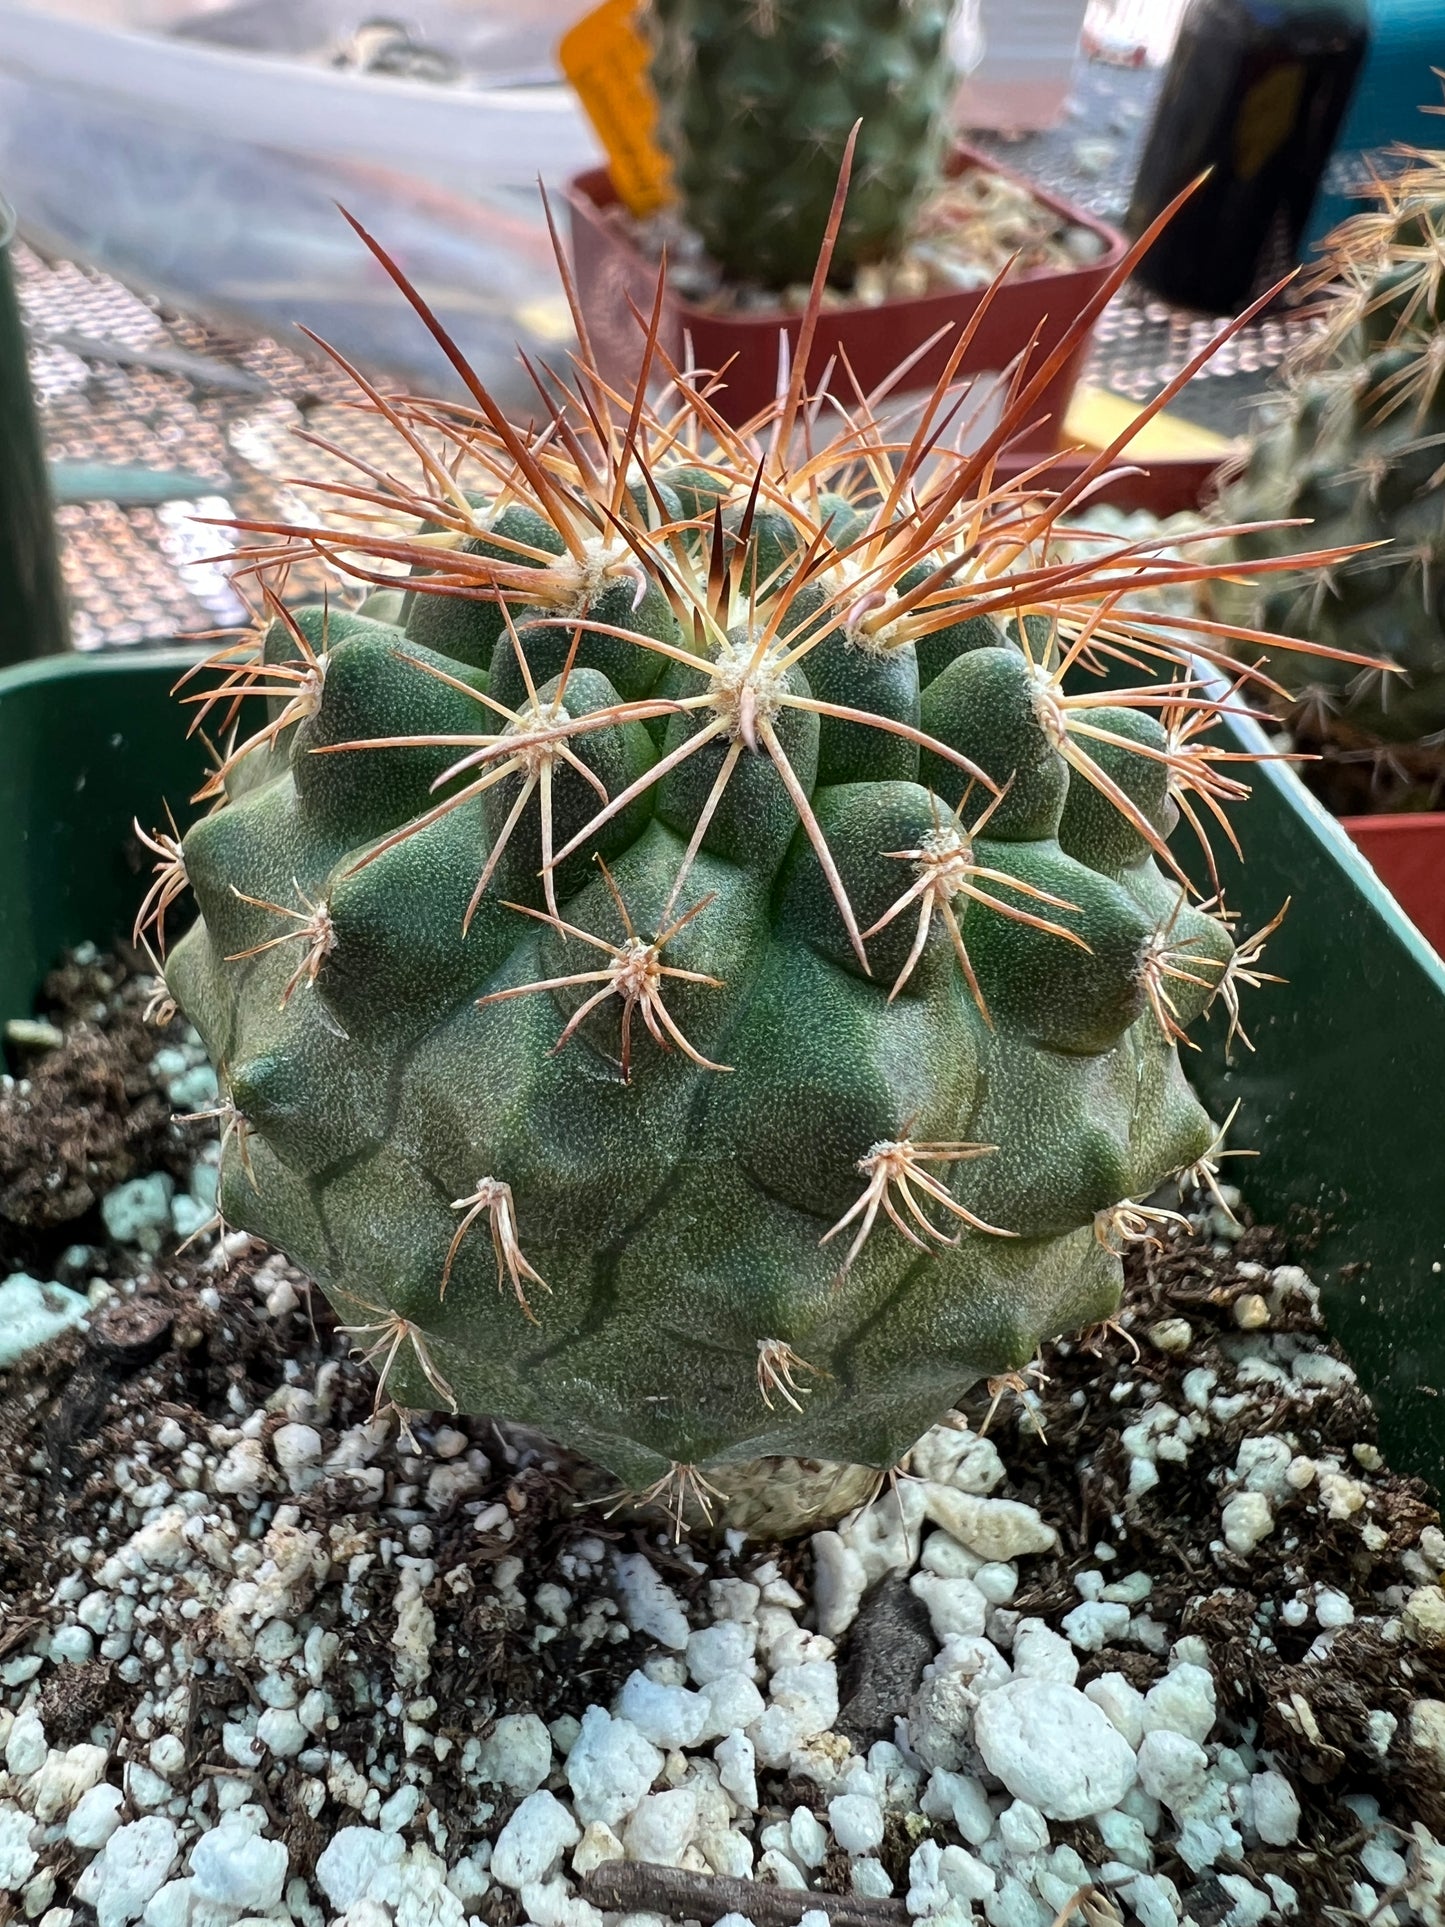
(1407, 40)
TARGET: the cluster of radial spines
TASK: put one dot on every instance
(1352, 441)
(1381, 287)
(918, 511)
(921, 556)
(745, 646)
(930, 542)
(596, 475)
(931, 546)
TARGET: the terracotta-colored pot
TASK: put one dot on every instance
(1164, 484)
(614, 277)
(1407, 854)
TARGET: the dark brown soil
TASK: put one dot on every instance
(84, 1116)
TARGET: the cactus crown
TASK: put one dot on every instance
(705, 980)
(755, 107)
(1351, 447)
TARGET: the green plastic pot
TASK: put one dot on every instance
(1342, 1097)
(32, 605)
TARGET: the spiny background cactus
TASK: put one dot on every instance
(755, 105)
(1352, 445)
(708, 985)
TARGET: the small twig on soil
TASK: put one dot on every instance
(1177, 1552)
(252, 1776)
(638, 1887)
(18, 1631)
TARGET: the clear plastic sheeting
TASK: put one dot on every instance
(1022, 79)
(1120, 27)
(200, 151)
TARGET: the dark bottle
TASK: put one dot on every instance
(1255, 91)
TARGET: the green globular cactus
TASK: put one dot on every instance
(1351, 445)
(755, 105)
(707, 986)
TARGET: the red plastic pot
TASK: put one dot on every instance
(1164, 484)
(614, 277)
(1407, 854)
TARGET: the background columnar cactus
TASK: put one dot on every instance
(1352, 446)
(756, 103)
(708, 985)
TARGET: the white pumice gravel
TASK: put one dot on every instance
(285, 1663)
(1053, 1748)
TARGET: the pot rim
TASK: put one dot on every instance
(582, 192)
(1395, 822)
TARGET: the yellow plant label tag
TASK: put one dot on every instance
(606, 59)
(1096, 417)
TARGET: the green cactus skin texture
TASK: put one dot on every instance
(1351, 444)
(678, 1217)
(756, 102)
(704, 979)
